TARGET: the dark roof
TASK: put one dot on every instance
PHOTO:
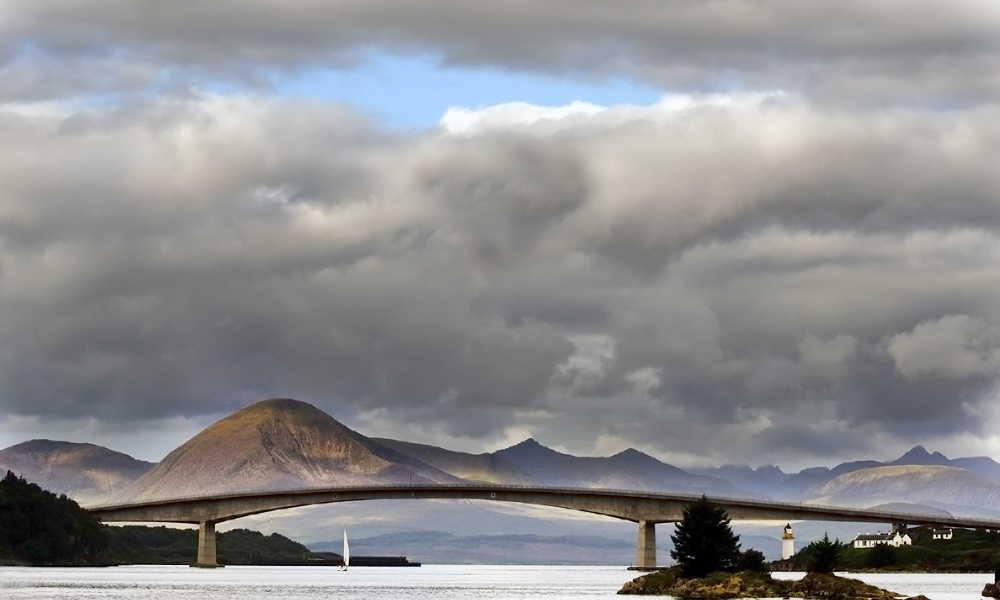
(874, 536)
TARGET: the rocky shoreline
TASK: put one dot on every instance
(723, 586)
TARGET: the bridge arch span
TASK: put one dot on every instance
(645, 508)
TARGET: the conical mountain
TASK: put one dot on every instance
(272, 445)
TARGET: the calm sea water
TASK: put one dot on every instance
(373, 583)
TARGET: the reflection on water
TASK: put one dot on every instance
(293, 583)
(427, 582)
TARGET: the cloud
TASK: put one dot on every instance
(854, 51)
(713, 274)
(954, 346)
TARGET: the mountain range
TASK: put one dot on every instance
(819, 484)
(282, 443)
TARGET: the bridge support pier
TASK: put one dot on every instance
(645, 558)
(207, 555)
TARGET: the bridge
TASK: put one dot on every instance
(644, 508)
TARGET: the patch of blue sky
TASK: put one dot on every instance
(406, 92)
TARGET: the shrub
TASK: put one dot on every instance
(753, 560)
(881, 556)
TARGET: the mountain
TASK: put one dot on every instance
(951, 488)
(277, 444)
(771, 481)
(980, 465)
(765, 480)
(628, 470)
(486, 468)
(86, 472)
(918, 455)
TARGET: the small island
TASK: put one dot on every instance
(710, 566)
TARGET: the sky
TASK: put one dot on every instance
(725, 231)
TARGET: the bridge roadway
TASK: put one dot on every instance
(645, 508)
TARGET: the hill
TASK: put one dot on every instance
(86, 472)
(952, 488)
(630, 470)
(771, 481)
(39, 528)
(277, 444)
(486, 467)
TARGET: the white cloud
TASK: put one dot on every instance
(458, 119)
(515, 115)
(954, 346)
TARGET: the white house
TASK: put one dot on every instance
(870, 540)
(941, 534)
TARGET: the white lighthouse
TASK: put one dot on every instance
(787, 543)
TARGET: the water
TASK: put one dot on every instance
(375, 583)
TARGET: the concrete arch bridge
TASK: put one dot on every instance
(644, 508)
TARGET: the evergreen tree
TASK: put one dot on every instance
(704, 542)
(823, 555)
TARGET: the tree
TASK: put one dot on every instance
(823, 555)
(703, 540)
(753, 561)
(40, 528)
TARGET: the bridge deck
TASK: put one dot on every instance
(644, 508)
(621, 504)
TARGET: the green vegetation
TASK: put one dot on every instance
(753, 561)
(715, 586)
(823, 556)
(703, 540)
(39, 528)
(730, 586)
(881, 557)
(160, 545)
(970, 551)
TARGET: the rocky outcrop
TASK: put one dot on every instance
(825, 585)
(717, 586)
(721, 586)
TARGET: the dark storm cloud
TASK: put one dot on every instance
(670, 278)
(917, 52)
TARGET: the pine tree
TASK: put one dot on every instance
(823, 555)
(704, 542)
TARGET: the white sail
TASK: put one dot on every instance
(347, 552)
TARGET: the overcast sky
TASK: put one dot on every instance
(725, 231)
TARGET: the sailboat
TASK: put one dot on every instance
(347, 553)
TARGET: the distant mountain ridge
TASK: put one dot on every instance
(284, 443)
(86, 472)
(934, 484)
(629, 469)
(807, 482)
(485, 468)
